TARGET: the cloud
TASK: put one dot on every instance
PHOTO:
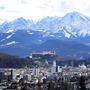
(2, 8)
(36, 9)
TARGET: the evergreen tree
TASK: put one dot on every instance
(82, 83)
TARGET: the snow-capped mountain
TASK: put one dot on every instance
(76, 24)
(65, 35)
(48, 24)
(72, 24)
(17, 24)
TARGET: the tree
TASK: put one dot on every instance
(82, 83)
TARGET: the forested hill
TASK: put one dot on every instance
(9, 61)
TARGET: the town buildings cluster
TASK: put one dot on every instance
(47, 77)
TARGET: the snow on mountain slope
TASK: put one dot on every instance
(48, 24)
(17, 24)
(9, 36)
(76, 23)
(10, 31)
(72, 26)
(5, 26)
(8, 44)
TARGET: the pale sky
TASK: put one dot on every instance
(37, 9)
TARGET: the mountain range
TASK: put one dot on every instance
(68, 36)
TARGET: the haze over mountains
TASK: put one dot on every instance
(68, 36)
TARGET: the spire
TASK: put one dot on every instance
(54, 63)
